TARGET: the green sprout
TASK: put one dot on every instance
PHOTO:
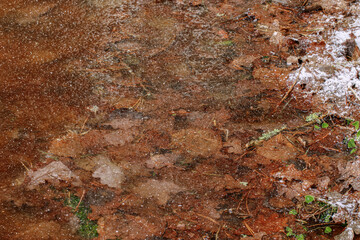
(309, 199)
(300, 237)
(317, 127)
(352, 145)
(327, 212)
(356, 125)
(324, 125)
(265, 59)
(328, 230)
(290, 233)
(293, 212)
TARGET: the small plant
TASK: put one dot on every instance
(328, 230)
(88, 228)
(351, 143)
(324, 125)
(309, 199)
(290, 233)
(265, 59)
(293, 212)
(327, 212)
(300, 237)
(317, 118)
(314, 209)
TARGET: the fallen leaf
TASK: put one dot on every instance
(54, 172)
(161, 160)
(277, 148)
(243, 61)
(197, 142)
(158, 189)
(67, 146)
(119, 137)
(280, 202)
(351, 174)
(109, 173)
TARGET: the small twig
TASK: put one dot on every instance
(285, 96)
(27, 169)
(262, 174)
(249, 228)
(323, 224)
(356, 96)
(82, 196)
(287, 103)
(208, 218)
(319, 211)
(329, 148)
(242, 199)
(288, 92)
(126, 198)
(242, 155)
(246, 203)
(82, 127)
(292, 143)
(301, 221)
(228, 235)
(137, 104)
(322, 138)
(217, 233)
(305, 2)
(332, 120)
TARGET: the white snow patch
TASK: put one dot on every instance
(328, 73)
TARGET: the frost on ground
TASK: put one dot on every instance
(330, 73)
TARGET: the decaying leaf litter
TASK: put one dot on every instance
(203, 120)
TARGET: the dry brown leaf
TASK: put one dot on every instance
(278, 148)
(243, 61)
(197, 142)
(162, 160)
(67, 146)
(119, 137)
(158, 189)
(54, 172)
